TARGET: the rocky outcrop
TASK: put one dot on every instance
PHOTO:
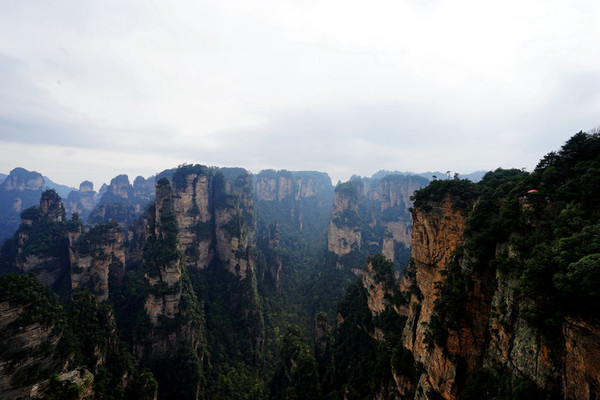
(122, 202)
(582, 359)
(41, 244)
(193, 207)
(345, 229)
(20, 190)
(391, 202)
(81, 201)
(372, 216)
(436, 234)
(30, 335)
(161, 258)
(269, 243)
(493, 329)
(97, 258)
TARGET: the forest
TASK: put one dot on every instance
(228, 285)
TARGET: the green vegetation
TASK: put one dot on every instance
(43, 306)
(362, 366)
(499, 384)
(297, 376)
(462, 191)
(551, 221)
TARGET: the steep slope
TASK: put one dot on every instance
(372, 216)
(514, 310)
(20, 190)
(81, 201)
(121, 201)
(294, 208)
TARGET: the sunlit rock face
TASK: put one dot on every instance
(494, 331)
(436, 234)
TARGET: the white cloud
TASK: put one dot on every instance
(345, 87)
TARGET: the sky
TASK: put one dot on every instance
(92, 89)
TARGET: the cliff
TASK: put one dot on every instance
(372, 216)
(82, 201)
(299, 204)
(31, 331)
(121, 201)
(40, 245)
(97, 259)
(20, 190)
(437, 231)
(502, 304)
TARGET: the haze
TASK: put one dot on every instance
(92, 89)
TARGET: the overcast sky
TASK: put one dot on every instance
(91, 89)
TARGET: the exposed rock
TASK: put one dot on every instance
(372, 216)
(20, 190)
(345, 229)
(81, 201)
(122, 202)
(380, 289)
(41, 243)
(582, 359)
(21, 180)
(435, 236)
(30, 335)
(96, 256)
(193, 207)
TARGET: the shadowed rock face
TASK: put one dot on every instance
(122, 202)
(41, 243)
(95, 257)
(372, 216)
(81, 201)
(20, 190)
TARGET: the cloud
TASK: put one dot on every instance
(349, 88)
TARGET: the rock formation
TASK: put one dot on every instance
(20, 190)
(122, 202)
(40, 244)
(81, 201)
(372, 216)
(97, 257)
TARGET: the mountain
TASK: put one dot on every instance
(499, 300)
(277, 285)
(372, 216)
(62, 190)
(472, 176)
(21, 189)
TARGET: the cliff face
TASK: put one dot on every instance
(299, 203)
(96, 257)
(372, 216)
(81, 201)
(41, 241)
(436, 234)
(473, 309)
(121, 201)
(345, 229)
(391, 199)
(30, 335)
(216, 219)
(162, 263)
(20, 190)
